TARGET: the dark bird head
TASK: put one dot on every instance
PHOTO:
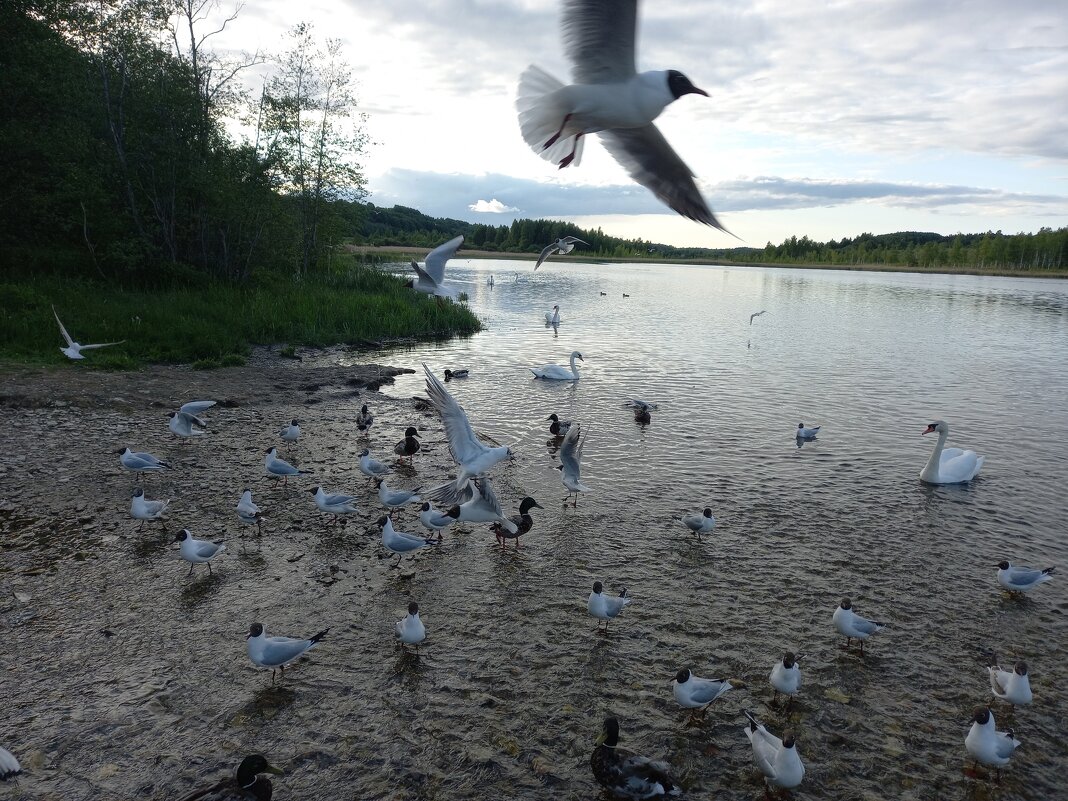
(173, 414)
(363, 409)
(708, 511)
(269, 450)
(411, 432)
(609, 733)
(294, 422)
(255, 630)
(247, 489)
(382, 520)
(425, 507)
(682, 676)
(552, 417)
(933, 427)
(527, 504)
(846, 603)
(788, 739)
(182, 535)
(448, 374)
(789, 660)
(1020, 668)
(365, 452)
(253, 764)
(800, 425)
(680, 85)
(121, 451)
(1003, 565)
(597, 587)
(413, 608)
(981, 715)
(138, 492)
(378, 482)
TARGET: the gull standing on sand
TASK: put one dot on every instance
(554, 372)
(754, 315)
(141, 462)
(74, 349)
(370, 467)
(400, 542)
(248, 512)
(611, 98)
(411, 630)
(852, 626)
(700, 524)
(1022, 579)
(332, 504)
(606, 607)
(290, 432)
(429, 278)
(987, 745)
(570, 463)
(562, 246)
(197, 552)
(435, 520)
(1012, 686)
(394, 499)
(277, 652)
(280, 468)
(777, 759)
(472, 456)
(141, 508)
(692, 692)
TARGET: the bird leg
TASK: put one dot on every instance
(209, 568)
(191, 566)
(566, 160)
(555, 136)
(141, 526)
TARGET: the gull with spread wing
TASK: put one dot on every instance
(570, 467)
(74, 349)
(563, 246)
(430, 276)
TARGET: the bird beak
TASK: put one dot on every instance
(928, 430)
(697, 91)
(601, 738)
(538, 505)
(276, 771)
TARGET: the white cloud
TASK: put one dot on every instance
(492, 207)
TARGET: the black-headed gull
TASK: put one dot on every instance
(701, 523)
(611, 98)
(9, 766)
(141, 508)
(430, 277)
(852, 626)
(280, 468)
(1022, 579)
(754, 315)
(786, 675)
(1012, 686)
(806, 432)
(987, 745)
(334, 504)
(777, 759)
(570, 466)
(400, 542)
(410, 630)
(394, 499)
(197, 552)
(141, 462)
(277, 652)
(74, 349)
(435, 520)
(693, 693)
(291, 431)
(606, 607)
(562, 246)
(248, 512)
(371, 467)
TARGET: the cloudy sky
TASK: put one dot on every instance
(824, 118)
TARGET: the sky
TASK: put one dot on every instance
(826, 119)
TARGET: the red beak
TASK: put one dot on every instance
(928, 430)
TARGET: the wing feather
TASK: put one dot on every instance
(599, 38)
(463, 444)
(437, 258)
(62, 330)
(546, 252)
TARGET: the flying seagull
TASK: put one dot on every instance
(74, 349)
(429, 277)
(563, 246)
(612, 98)
(756, 314)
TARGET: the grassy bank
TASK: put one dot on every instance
(214, 324)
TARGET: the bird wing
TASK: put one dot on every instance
(463, 444)
(437, 258)
(196, 407)
(571, 240)
(765, 748)
(62, 330)
(338, 500)
(641, 777)
(485, 489)
(646, 155)
(570, 451)
(206, 549)
(102, 345)
(424, 276)
(546, 252)
(866, 626)
(599, 39)
(1022, 575)
(278, 650)
(706, 691)
(189, 418)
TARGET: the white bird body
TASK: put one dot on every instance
(555, 372)
(141, 508)
(394, 499)
(606, 607)
(562, 246)
(411, 630)
(9, 766)
(571, 461)
(777, 759)
(431, 276)
(141, 462)
(334, 504)
(949, 465)
(196, 551)
(247, 511)
(610, 97)
(74, 349)
(400, 542)
(1022, 579)
(290, 432)
(986, 744)
(182, 424)
(433, 519)
(786, 680)
(1012, 686)
(851, 625)
(478, 502)
(553, 317)
(280, 468)
(700, 523)
(277, 652)
(693, 692)
(806, 432)
(372, 467)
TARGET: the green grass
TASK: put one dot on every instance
(214, 324)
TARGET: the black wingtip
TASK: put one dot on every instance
(1049, 571)
(320, 635)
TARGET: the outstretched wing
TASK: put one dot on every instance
(571, 240)
(196, 407)
(646, 155)
(62, 330)
(463, 444)
(571, 451)
(439, 256)
(485, 489)
(546, 252)
(599, 39)
(102, 345)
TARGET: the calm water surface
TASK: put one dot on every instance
(507, 696)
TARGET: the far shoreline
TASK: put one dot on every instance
(406, 252)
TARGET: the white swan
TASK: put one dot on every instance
(557, 373)
(553, 318)
(949, 465)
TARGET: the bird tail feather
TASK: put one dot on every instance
(320, 635)
(541, 115)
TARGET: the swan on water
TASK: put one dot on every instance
(553, 317)
(949, 465)
(556, 372)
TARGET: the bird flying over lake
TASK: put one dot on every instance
(563, 246)
(611, 98)
(756, 314)
(430, 277)
(74, 349)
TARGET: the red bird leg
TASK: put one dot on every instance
(555, 136)
(566, 160)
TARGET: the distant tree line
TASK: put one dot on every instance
(117, 156)
(1045, 250)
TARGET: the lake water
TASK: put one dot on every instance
(872, 358)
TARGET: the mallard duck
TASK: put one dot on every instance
(558, 427)
(364, 419)
(451, 374)
(522, 521)
(626, 774)
(245, 785)
(409, 446)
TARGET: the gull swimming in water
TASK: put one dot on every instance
(562, 246)
(553, 317)
(692, 692)
(852, 626)
(1022, 579)
(197, 552)
(522, 522)
(777, 759)
(554, 372)
(1012, 686)
(429, 278)
(949, 465)
(372, 467)
(333, 504)
(700, 524)
(277, 652)
(141, 462)
(244, 785)
(248, 512)
(606, 607)
(627, 775)
(74, 349)
(804, 432)
(411, 630)
(754, 315)
(141, 508)
(280, 468)
(290, 432)
(394, 499)
(986, 744)
(611, 98)
(570, 463)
